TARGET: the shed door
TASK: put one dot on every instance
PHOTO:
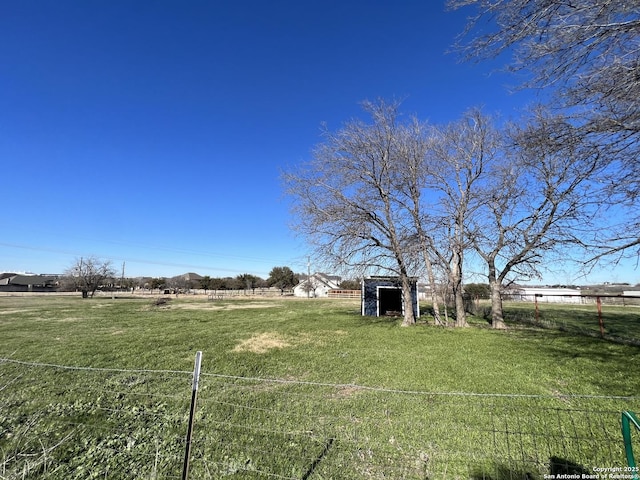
(389, 301)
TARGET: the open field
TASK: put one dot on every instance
(303, 389)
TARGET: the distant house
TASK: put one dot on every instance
(15, 282)
(5, 276)
(544, 295)
(316, 285)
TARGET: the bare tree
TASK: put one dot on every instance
(589, 49)
(457, 163)
(400, 197)
(538, 202)
(439, 174)
(408, 197)
(410, 181)
(587, 55)
(87, 274)
(345, 202)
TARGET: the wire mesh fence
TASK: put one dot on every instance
(596, 316)
(287, 429)
(78, 423)
(64, 422)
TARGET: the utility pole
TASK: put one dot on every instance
(308, 277)
(82, 279)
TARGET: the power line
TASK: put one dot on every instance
(192, 266)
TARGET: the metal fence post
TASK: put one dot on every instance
(194, 396)
(628, 419)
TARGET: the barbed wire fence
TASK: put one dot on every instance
(67, 422)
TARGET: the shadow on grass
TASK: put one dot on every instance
(567, 346)
(599, 361)
(367, 321)
(320, 457)
(562, 466)
(621, 324)
(499, 471)
(502, 472)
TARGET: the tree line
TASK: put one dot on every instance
(91, 273)
(398, 195)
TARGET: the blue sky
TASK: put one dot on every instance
(154, 132)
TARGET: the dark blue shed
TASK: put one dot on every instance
(383, 296)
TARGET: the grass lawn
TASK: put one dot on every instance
(296, 388)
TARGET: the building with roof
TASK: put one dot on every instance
(544, 295)
(16, 282)
(316, 285)
(383, 296)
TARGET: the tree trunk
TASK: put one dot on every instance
(434, 293)
(407, 302)
(497, 319)
(456, 285)
(446, 314)
(461, 315)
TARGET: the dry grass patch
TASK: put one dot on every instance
(346, 391)
(229, 306)
(14, 312)
(101, 305)
(263, 342)
(67, 319)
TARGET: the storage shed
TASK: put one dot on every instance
(383, 296)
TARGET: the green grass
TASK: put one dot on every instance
(318, 419)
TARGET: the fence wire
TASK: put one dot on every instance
(298, 430)
(65, 422)
(59, 422)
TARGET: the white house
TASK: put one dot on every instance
(316, 285)
(545, 295)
